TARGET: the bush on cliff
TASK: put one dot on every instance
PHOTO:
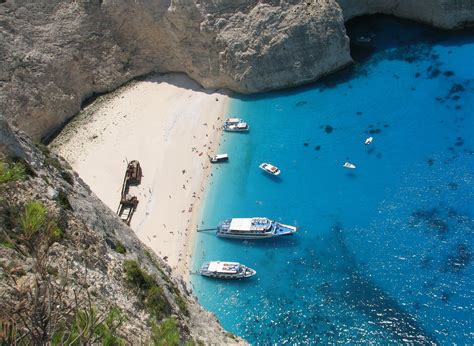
(12, 171)
(148, 290)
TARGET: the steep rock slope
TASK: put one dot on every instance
(91, 267)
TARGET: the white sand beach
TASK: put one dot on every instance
(169, 124)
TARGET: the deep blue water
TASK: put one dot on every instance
(385, 251)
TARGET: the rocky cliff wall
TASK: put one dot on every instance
(56, 53)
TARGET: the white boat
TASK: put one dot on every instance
(368, 140)
(349, 165)
(269, 168)
(253, 228)
(226, 270)
(219, 158)
(235, 125)
(363, 39)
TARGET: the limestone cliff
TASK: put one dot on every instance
(78, 271)
(57, 53)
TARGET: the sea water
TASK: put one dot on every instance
(384, 252)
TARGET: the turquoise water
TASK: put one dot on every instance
(384, 252)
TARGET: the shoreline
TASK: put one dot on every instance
(169, 123)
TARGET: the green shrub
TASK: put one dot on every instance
(33, 218)
(156, 303)
(107, 330)
(12, 172)
(120, 248)
(166, 334)
(151, 295)
(85, 330)
(181, 304)
(136, 276)
(7, 243)
(55, 233)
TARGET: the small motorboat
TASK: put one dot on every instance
(363, 39)
(226, 270)
(368, 140)
(269, 168)
(219, 158)
(349, 165)
(235, 125)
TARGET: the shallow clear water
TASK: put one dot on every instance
(384, 252)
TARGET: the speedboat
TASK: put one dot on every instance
(253, 228)
(235, 125)
(349, 165)
(363, 39)
(219, 158)
(270, 168)
(368, 140)
(226, 270)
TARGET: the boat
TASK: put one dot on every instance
(349, 165)
(235, 125)
(226, 270)
(363, 39)
(253, 228)
(269, 168)
(219, 158)
(368, 140)
(133, 174)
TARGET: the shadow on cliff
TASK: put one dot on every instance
(182, 81)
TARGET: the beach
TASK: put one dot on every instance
(170, 124)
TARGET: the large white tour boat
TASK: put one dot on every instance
(235, 125)
(226, 270)
(253, 228)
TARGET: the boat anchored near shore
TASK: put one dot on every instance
(226, 270)
(253, 228)
(235, 125)
(219, 158)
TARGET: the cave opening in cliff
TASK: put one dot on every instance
(370, 34)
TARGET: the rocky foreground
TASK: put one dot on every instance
(72, 272)
(57, 53)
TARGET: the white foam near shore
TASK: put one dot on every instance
(170, 124)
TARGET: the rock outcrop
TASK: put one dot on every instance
(88, 255)
(55, 54)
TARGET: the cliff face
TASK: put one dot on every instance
(81, 263)
(57, 53)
